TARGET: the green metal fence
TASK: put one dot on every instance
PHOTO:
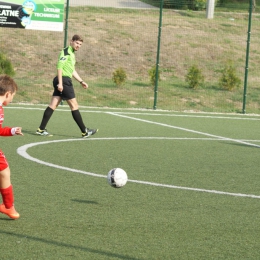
(129, 38)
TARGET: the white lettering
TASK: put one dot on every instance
(9, 13)
(52, 10)
(47, 15)
(5, 6)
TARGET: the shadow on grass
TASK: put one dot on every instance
(85, 201)
(30, 132)
(142, 84)
(245, 144)
(6, 218)
(61, 244)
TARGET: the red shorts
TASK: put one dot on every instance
(3, 161)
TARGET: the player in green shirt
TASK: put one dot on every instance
(63, 88)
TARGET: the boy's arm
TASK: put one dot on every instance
(6, 131)
(17, 131)
(79, 79)
(10, 131)
(60, 85)
(59, 74)
(60, 64)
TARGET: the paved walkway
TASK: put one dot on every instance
(134, 4)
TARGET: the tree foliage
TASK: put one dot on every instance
(194, 77)
(119, 76)
(6, 66)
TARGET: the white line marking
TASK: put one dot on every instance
(186, 129)
(23, 152)
(192, 115)
(195, 189)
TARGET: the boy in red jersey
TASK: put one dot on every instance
(8, 89)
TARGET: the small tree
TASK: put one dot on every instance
(194, 77)
(152, 75)
(6, 66)
(119, 77)
(229, 79)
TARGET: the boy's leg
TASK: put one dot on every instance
(46, 117)
(78, 119)
(86, 132)
(74, 107)
(55, 101)
(8, 196)
(6, 190)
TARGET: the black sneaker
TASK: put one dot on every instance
(89, 132)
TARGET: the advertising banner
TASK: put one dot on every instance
(32, 14)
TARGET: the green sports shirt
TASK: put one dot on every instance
(67, 61)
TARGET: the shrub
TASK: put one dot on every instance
(229, 79)
(119, 77)
(6, 66)
(177, 4)
(152, 74)
(199, 5)
(194, 77)
(196, 5)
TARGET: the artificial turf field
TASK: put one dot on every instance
(193, 189)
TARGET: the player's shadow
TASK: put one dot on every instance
(85, 201)
(29, 132)
(86, 249)
(5, 218)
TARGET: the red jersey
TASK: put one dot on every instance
(5, 131)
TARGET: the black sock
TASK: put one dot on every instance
(78, 119)
(46, 117)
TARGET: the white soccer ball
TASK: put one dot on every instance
(117, 178)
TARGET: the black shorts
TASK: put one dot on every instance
(68, 90)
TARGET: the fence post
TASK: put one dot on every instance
(210, 9)
(247, 55)
(158, 57)
(66, 24)
(66, 29)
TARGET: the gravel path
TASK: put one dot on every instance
(134, 4)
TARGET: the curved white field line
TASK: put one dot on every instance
(22, 150)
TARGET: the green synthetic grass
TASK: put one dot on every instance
(68, 215)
